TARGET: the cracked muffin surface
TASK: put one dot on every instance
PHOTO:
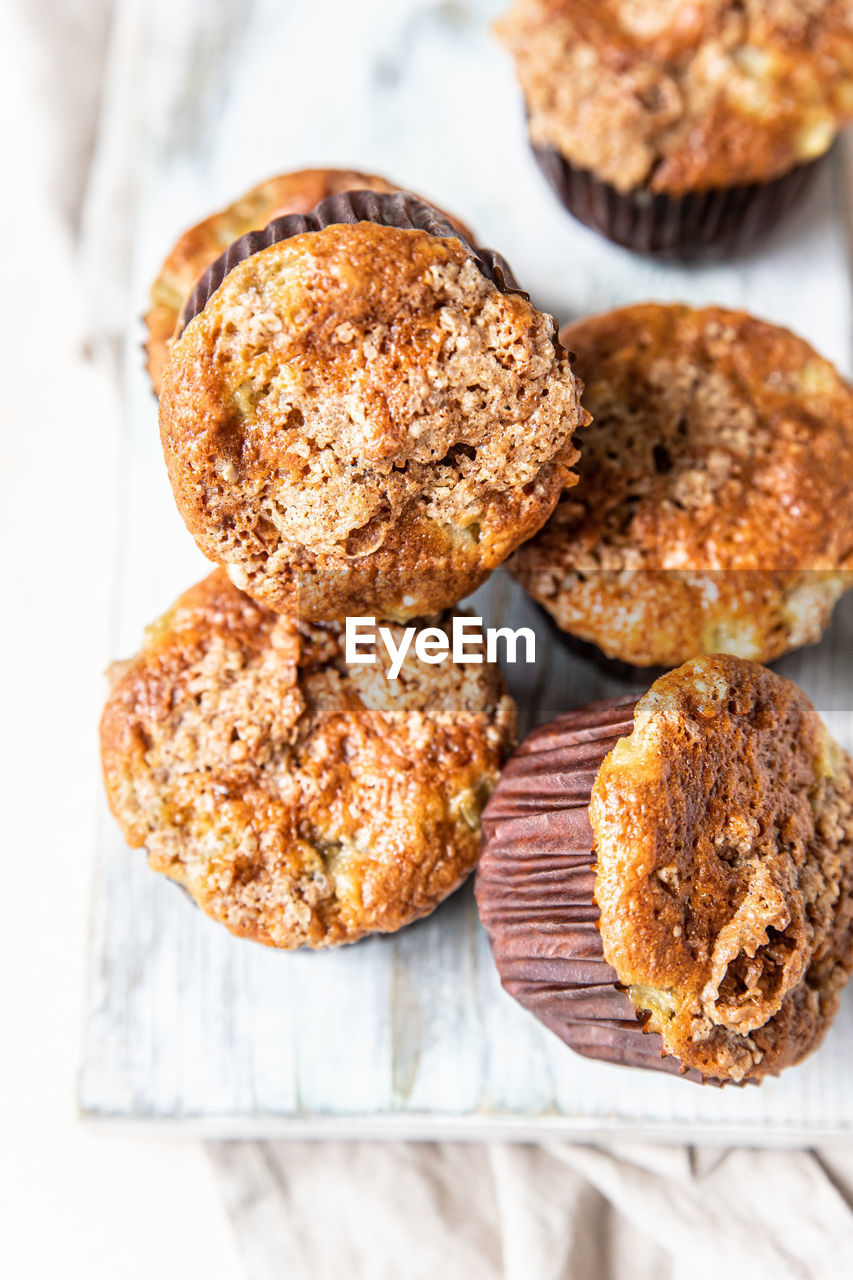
(301, 801)
(201, 244)
(723, 835)
(359, 415)
(678, 97)
(713, 510)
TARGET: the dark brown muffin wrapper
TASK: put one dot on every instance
(535, 885)
(398, 209)
(722, 222)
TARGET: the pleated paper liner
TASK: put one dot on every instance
(535, 886)
(721, 222)
(399, 209)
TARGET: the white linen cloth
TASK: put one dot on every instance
(362, 1210)
(556, 1211)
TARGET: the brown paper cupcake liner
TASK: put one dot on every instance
(398, 209)
(535, 885)
(720, 222)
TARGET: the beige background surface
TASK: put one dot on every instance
(74, 1200)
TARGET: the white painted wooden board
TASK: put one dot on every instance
(409, 1035)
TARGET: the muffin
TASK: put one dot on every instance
(714, 510)
(202, 244)
(362, 408)
(668, 882)
(300, 800)
(682, 128)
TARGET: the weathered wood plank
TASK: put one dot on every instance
(408, 1035)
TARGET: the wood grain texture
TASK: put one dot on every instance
(410, 1035)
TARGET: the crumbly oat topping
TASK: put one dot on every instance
(300, 801)
(714, 510)
(723, 833)
(360, 411)
(678, 97)
(202, 244)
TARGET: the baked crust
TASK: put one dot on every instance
(202, 244)
(714, 510)
(299, 800)
(681, 97)
(723, 832)
(359, 414)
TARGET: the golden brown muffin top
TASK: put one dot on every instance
(714, 508)
(718, 441)
(684, 96)
(723, 828)
(202, 244)
(361, 401)
(300, 800)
